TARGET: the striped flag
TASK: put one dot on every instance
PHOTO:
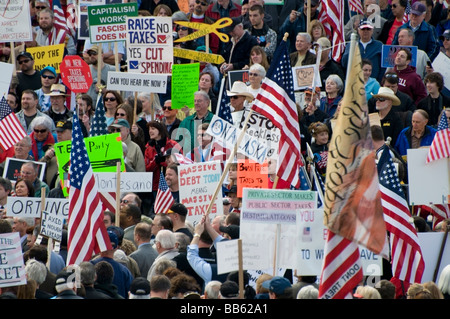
(98, 126)
(164, 198)
(223, 107)
(406, 256)
(108, 200)
(11, 131)
(356, 6)
(60, 17)
(86, 231)
(342, 269)
(440, 147)
(407, 12)
(72, 19)
(276, 101)
(332, 18)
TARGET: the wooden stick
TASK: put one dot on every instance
(241, 270)
(116, 56)
(118, 195)
(99, 66)
(135, 107)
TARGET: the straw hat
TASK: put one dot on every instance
(57, 90)
(387, 93)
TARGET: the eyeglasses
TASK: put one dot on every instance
(167, 108)
(91, 53)
(24, 61)
(201, 2)
(26, 173)
(51, 77)
(40, 131)
(112, 99)
(253, 74)
(182, 28)
(114, 130)
(40, 7)
(381, 99)
(121, 114)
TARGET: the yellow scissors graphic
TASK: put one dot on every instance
(204, 29)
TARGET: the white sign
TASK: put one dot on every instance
(149, 45)
(6, 70)
(134, 182)
(430, 245)
(52, 225)
(136, 82)
(198, 182)
(253, 258)
(442, 64)
(434, 175)
(31, 207)
(12, 268)
(15, 21)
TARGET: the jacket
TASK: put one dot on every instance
(411, 83)
(188, 127)
(239, 53)
(293, 28)
(135, 157)
(21, 117)
(310, 58)
(404, 139)
(214, 12)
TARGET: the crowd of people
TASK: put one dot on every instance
(162, 254)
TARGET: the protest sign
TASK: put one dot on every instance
(136, 82)
(184, 84)
(198, 182)
(431, 244)
(76, 74)
(306, 76)
(52, 226)
(13, 165)
(262, 129)
(15, 21)
(205, 29)
(107, 23)
(435, 175)
(227, 134)
(442, 63)
(12, 268)
(134, 182)
(253, 258)
(31, 207)
(198, 56)
(51, 55)
(238, 75)
(6, 70)
(310, 242)
(149, 45)
(389, 52)
(251, 174)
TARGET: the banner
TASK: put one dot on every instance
(15, 21)
(12, 268)
(31, 207)
(51, 55)
(130, 182)
(135, 82)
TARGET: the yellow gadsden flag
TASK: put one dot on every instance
(352, 198)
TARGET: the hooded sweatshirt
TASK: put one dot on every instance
(411, 83)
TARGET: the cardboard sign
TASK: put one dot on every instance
(52, 226)
(134, 182)
(198, 56)
(135, 82)
(12, 266)
(15, 21)
(198, 182)
(251, 174)
(31, 207)
(13, 165)
(76, 74)
(442, 63)
(185, 79)
(107, 23)
(149, 45)
(6, 70)
(306, 76)
(389, 52)
(51, 55)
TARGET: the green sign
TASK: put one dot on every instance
(184, 84)
(107, 23)
(104, 152)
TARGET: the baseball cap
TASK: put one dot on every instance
(140, 286)
(120, 123)
(309, 90)
(178, 208)
(235, 22)
(63, 125)
(445, 35)
(365, 24)
(114, 239)
(50, 69)
(25, 54)
(229, 289)
(232, 230)
(93, 48)
(418, 8)
(277, 284)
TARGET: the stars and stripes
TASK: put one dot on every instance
(86, 231)
(406, 256)
(440, 146)
(164, 198)
(356, 6)
(11, 131)
(98, 126)
(276, 101)
(407, 12)
(223, 108)
(332, 18)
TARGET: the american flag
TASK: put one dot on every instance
(356, 6)
(108, 200)
(164, 198)
(276, 101)
(223, 109)
(86, 231)
(440, 147)
(406, 256)
(332, 18)
(72, 19)
(11, 131)
(98, 126)
(407, 12)
(60, 17)
(342, 269)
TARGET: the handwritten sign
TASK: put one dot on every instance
(136, 82)
(12, 268)
(13, 165)
(31, 207)
(198, 56)
(185, 79)
(251, 174)
(51, 55)
(15, 21)
(107, 23)
(305, 76)
(198, 182)
(135, 182)
(149, 45)
(52, 225)
(389, 52)
(76, 74)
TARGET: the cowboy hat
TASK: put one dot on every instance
(239, 88)
(387, 93)
(57, 90)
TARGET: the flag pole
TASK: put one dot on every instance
(222, 84)
(118, 195)
(350, 57)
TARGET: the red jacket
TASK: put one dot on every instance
(213, 11)
(150, 154)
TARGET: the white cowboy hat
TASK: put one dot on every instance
(387, 93)
(239, 88)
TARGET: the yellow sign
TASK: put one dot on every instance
(51, 55)
(205, 28)
(198, 56)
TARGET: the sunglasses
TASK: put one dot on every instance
(91, 53)
(24, 61)
(114, 130)
(234, 97)
(394, 6)
(112, 99)
(167, 108)
(40, 131)
(51, 77)
(391, 75)
(201, 2)
(125, 201)
(40, 7)
(121, 114)
(182, 28)
(253, 74)
(381, 99)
